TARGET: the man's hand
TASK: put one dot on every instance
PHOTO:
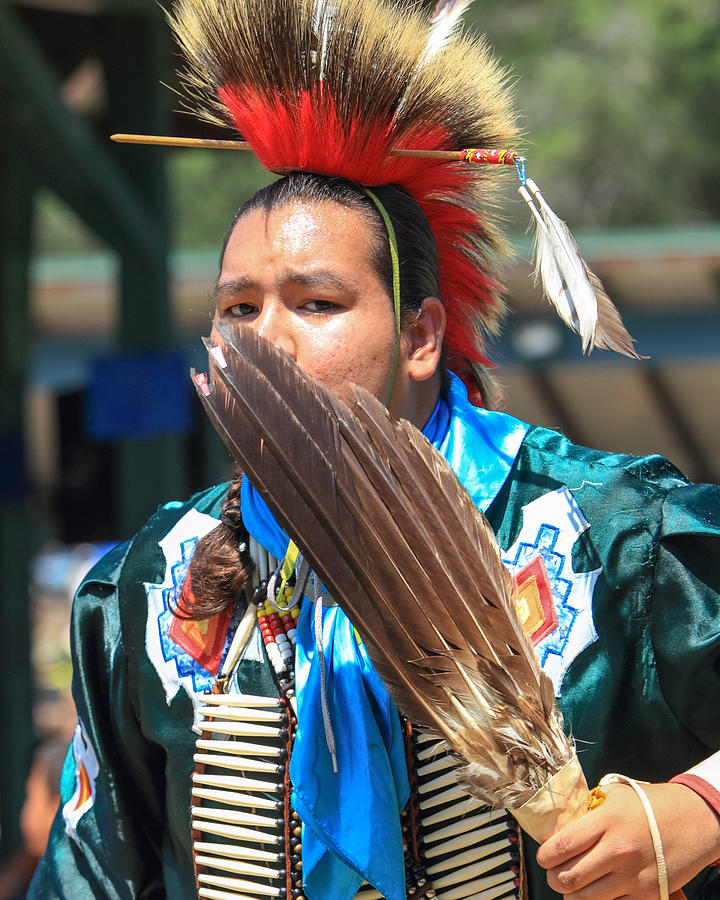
(608, 853)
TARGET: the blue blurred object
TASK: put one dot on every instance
(139, 395)
(13, 476)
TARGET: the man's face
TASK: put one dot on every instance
(301, 277)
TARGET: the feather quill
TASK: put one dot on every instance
(395, 537)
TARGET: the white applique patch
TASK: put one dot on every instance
(175, 666)
(86, 772)
(551, 526)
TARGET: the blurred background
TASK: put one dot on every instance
(108, 256)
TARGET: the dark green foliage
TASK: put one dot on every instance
(619, 102)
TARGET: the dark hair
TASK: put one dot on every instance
(417, 251)
(219, 569)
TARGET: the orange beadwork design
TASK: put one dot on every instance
(85, 791)
(203, 640)
(534, 601)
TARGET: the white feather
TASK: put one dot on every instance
(560, 268)
(444, 23)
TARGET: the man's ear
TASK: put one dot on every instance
(425, 340)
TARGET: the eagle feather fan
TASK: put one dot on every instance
(393, 534)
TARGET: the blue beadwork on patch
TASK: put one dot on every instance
(544, 546)
(184, 663)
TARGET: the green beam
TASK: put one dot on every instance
(150, 471)
(61, 150)
(16, 543)
(138, 103)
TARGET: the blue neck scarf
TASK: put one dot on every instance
(351, 825)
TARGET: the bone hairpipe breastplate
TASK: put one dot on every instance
(247, 839)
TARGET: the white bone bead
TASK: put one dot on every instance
(446, 779)
(422, 737)
(240, 748)
(472, 871)
(462, 825)
(236, 762)
(244, 729)
(482, 889)
(234, 817)
(246, 700)
(453, 793)
(437, 765)
(211, 894)
(235, 798)
(232, 832)
(237, 851)
(474, 854)
(470, 838)
(234, 782)
(238, 884)
(237, 867)
(242, 713)
(465, 805)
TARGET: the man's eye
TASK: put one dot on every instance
(320, 305)
(241, 309)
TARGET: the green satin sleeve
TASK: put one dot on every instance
(685, 623)
(115, 852)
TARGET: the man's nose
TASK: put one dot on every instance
(275, 324)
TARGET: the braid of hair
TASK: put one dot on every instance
(221, 564)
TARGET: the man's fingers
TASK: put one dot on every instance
(589, 875)
(606, 887)
(570, 842)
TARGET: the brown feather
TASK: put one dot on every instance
(398, 542)
(610, 332)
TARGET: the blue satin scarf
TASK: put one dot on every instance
(351, 826)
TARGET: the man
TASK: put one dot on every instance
(356, 286)
(302, 274)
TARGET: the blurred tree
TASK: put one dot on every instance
(618, 102)
(206, 189)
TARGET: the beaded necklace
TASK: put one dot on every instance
(278, 633)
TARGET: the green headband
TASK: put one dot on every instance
(396, 284)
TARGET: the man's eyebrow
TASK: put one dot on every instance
(318, 277)
(232, 286)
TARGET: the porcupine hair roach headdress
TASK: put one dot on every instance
(332, 86)
(339, 87)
